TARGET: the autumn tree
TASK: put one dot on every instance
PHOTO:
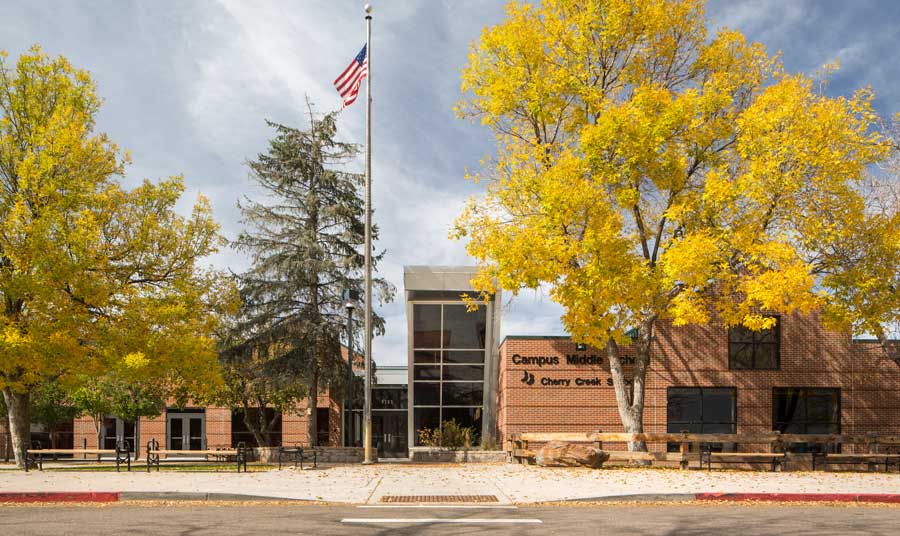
(52, 406)
(646, 170)
(93, 276)
(262, 373)
(305, 243)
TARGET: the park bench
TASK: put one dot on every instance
(778, 460)
(699, 446)
(873, 458)
(297, 455)
(35, 457)
(824, 459)
(237, 455)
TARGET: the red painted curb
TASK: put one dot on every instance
(802, 497)
(59, 496)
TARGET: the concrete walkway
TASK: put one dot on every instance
(508, 483)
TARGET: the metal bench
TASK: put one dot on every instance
(778, 460)
(872, 460)
(237, 455)
(35, 457)
(297, 455)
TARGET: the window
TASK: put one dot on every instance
(240, 433)
(702, 410)
(754, 350)
(448, 365)
(323, 428)
(389, 397)
(806, 411)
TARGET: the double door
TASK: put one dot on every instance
(389, 433)
(115, 431)
(186, 431)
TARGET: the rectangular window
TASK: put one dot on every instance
(240, 433)
(806, 411)
(426, 326)
(702, 410)
(389, 398)
(463, 373)
(427, 394)
(448, 359)
(427, 372)
(754, 350)
(462, 394)
(323, 426)
(463, 328)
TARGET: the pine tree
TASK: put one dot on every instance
(306, 243)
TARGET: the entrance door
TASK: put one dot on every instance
(389, 433)
(115, 430)
(186, 431)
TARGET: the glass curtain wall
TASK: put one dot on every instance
(448, 366)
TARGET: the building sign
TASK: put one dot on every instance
(528, 378)
(570, 360)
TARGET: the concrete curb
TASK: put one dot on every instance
(639, 497)
(115, 496)
(802, 497)
(196, 496)
(892, 498)
(59, 496)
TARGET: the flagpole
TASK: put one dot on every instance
(367, 406)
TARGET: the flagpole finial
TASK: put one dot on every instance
(368, 8)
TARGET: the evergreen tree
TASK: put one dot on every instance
(306, 244)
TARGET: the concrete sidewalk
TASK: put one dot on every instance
(360, 484)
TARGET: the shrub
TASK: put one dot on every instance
(449, 435)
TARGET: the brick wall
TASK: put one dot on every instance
(218, 426)
(697, 356)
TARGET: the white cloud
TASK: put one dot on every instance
(188, 84)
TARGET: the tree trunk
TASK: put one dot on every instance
(98, 425)
(312, 431)
(263, 429)
(630, 391)
(253, 426)
(19, 425)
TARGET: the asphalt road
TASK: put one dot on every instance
(217, 519)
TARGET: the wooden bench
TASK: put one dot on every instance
(237, 455)
(778, 460)
(694, 446)
(297, 454)
(872, 460)
(35, 457)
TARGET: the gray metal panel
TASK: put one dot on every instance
(438, 277)
(391, 376)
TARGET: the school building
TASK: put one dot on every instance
(797, 377)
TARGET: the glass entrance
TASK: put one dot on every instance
(389, 433)
(115, 430)
(186, 431)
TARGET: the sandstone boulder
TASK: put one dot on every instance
(560, 454)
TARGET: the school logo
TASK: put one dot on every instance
(528, 379)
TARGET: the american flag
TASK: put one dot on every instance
(347, 84)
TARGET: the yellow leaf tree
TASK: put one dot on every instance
(93, 277)
(646, 170)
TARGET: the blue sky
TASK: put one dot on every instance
(188, 83)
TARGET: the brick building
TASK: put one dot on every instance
(209, 427)
(798, 377)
